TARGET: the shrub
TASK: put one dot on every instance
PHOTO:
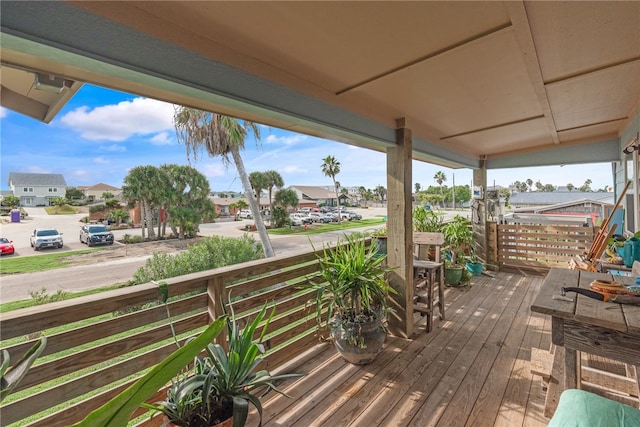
(212, 252)
(129, 239)
(96, 208)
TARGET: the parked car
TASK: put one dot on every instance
(6, 246)
(245, 214)
(45, 238)
(332, 216)
(319, 217)
(96, 234)
(344, 216)
(354, 216)
(299, 219)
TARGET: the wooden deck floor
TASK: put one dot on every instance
(471, 370)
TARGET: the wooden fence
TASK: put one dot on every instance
(99, 344)
(536, 248)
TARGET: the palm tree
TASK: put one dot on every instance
(141, 186)
(258, 181)
(274, 179)
(286, 198)
(529, 183)
(381, 192)
(417, 187)
(363, 192)
(222, 135)
(570, 187)
(440, 177)
(59, 202)
(331, 168)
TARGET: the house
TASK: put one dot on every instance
(94, 192)
(312, 197)
(37, 189)
(224, 208)
(536, 199)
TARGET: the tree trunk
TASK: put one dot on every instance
(253, 205)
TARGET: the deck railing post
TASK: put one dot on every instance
(217, 297)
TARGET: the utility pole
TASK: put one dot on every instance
(453, 180)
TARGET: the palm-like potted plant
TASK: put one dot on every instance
(219, 386)
(458, 239)
(351, 298)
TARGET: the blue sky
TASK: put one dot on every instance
(101, 134)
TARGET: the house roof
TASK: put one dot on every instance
(314, 193)
(572, 203)
(101, 187)
(486, 83)
(555, 197)
(17, 179)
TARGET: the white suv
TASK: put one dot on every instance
(245, 214)
(46, 238)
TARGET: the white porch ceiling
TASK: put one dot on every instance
(507, 82)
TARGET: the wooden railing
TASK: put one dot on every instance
(99, 344)
(536, 248)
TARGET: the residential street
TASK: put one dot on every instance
(95, 275)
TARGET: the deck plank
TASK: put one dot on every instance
(472, 369)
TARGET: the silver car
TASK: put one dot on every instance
(45, 238)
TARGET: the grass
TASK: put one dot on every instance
(324, 228)
(17, 305)
(30, 264)
(62, 210)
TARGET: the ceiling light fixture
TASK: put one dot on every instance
(48, 83)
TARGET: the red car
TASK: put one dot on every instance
(6, 246)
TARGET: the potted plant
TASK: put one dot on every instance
(426, 220)
(474, 265)
(351, 298)
(458, 238)
(380, 239)
(218, 387)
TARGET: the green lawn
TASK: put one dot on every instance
(29, 264)
(332, 226)
(62, 210)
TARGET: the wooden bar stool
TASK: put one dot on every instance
(428, 275)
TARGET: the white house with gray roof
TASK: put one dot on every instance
(37, 189)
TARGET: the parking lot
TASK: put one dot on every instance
(69, 226)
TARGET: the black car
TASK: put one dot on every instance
(96, 234)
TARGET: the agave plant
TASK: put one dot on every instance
(353, 282)
(222, 383)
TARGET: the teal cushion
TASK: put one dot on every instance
(578, 408)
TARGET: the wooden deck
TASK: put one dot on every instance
(471, 370)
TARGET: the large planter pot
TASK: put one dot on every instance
(381, 244)
(359, 343)
(453, 274)
(475, 268)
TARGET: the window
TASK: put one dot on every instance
(53, 190)
(27, 190)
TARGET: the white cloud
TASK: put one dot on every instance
(286, 140)
(162, 138)
(213, 170)
(294, 169)
(101, 160)
(114, 148)
(140, 116)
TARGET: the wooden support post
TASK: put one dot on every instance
(399, 226)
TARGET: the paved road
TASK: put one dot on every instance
(16, 287)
